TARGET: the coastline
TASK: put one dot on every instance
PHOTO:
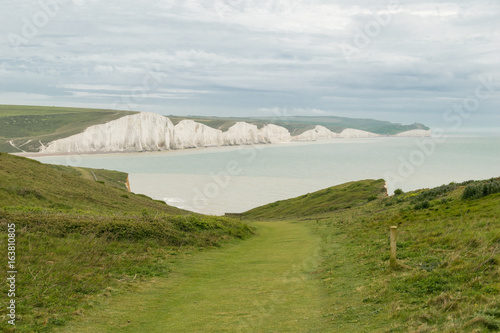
(217, 148)
(147, 131)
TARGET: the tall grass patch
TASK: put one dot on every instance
(448, 255)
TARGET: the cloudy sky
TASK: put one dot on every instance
(435, 62)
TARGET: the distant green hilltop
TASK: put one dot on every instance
(28, 128)
(299, 124)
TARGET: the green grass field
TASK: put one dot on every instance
(96, 258)
(80, 240)
(254, 286)
(29, 126)
(25, 110)
(448, 249)
(327, 271)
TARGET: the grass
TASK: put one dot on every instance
(30, 126)
(319, 261)
(79, 241)
(449, 261)
(328, 200)
(31, 184)
(266, 284)
(336, 267)
(107, 177)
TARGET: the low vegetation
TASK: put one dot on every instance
(476, 190)
(249, 287)
(26, 128)
(80, 240)
(448, 253)
(31, 184)
(328, 200)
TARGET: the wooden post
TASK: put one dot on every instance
(394, 235)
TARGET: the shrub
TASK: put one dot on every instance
(422, 205)
(478, 190)
(398, 191)
(434, 192)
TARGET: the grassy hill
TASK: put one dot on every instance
(299, 124)
(328, 200)
(79, 240)
(448, 254)
(27, 126)
(30, 184)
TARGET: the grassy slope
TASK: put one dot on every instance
(102, 239)
(40, 123)
(324, 201)
(112, 178)
(449, 255)
(79, 240)
(262, 285)
(337, 124)
(29, 183)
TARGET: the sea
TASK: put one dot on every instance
(236, 179)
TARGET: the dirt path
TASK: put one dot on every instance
(265, 284)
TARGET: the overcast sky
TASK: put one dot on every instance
(406, 61)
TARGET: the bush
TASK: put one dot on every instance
(434, 192)
(422, 205)
(478, 190)
(398, 191)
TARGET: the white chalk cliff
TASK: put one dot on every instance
(318, 133)
(355, 133)
(152, 132)
(190, 134)
(140, 132)
(243, 133)
(275, 134)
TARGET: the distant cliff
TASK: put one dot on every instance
(152, 132)
(25, 129)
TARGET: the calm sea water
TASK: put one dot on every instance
(235, 179)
